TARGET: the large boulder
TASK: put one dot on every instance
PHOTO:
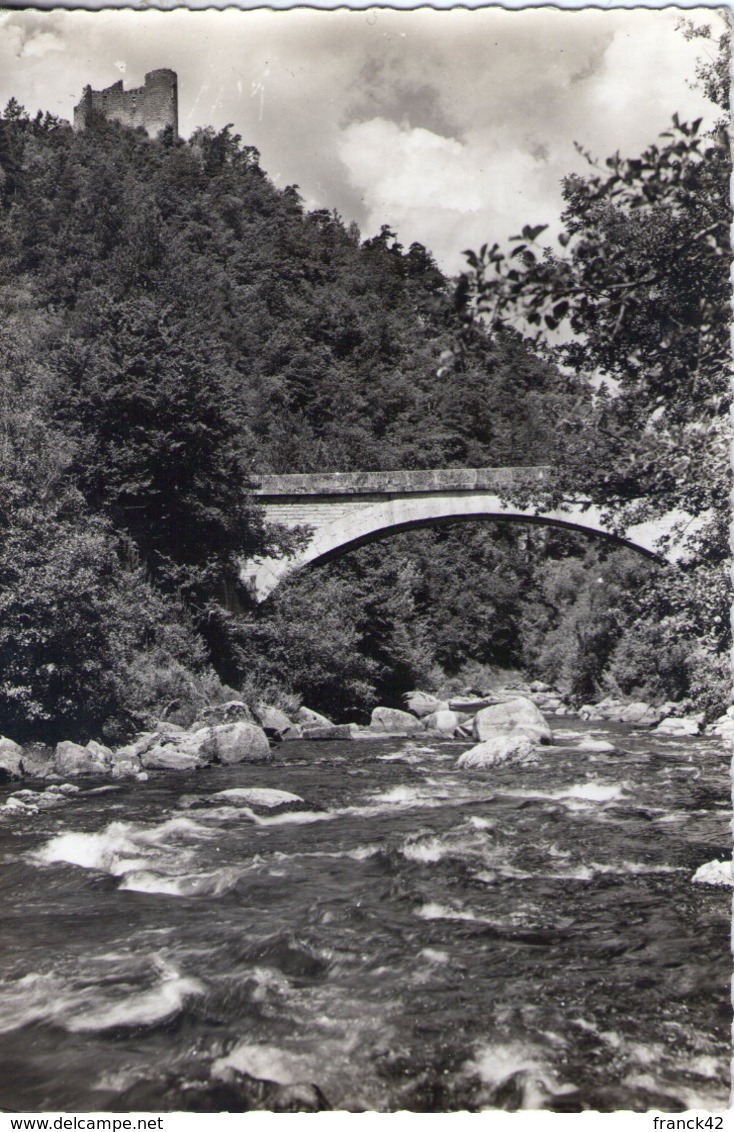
(617, 711)
(682, 726)
(173, 751)
(331, 731)
(393, 721)
(472, 704)
(165, 757)
(259, 797)
(142, 742)
(71, 759)
(423, 703)
(233, 711)
(165, 726)
(294, 732)
(276, 724)
(607, 708)
(546, 701)
(445, 721)
(38, 762)
(127, 766)
(238, 742)
(100, 751)
(10, 759)
(499, 750)
(309, 718)
(272, 720)
(723, 726)
(639, 712)
(518, 717)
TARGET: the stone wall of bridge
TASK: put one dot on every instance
(379, 484)
(348, 510)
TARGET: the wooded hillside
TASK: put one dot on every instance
(172, 324)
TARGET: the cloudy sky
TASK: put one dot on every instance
(454, 127)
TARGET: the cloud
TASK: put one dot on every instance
(439, 191)
(38, 46)
(454, 126)
(641, 81)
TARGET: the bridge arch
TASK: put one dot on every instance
(349, 510)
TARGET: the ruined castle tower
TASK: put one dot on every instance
(154, 106)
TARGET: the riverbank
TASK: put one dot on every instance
(235, 731)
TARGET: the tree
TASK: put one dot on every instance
(639, 286)
(642, 284)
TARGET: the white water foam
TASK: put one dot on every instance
(123, 847)
(214, 883)
(83, 1006)
(405, 795)
(579, 796)
(270, 1063)
(109, 852)
(635, 868)
(144, 1008)
(430, 794)
(671, 1066)
(435, 955)
(361, 852)
(296, 817)
(496, 1063)
(426, 852)
(715, 872)
(148, 859)
(433, 910)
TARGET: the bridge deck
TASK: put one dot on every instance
(396, 482)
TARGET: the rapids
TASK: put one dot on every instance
(365, 918)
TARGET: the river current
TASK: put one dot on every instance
(408, 936)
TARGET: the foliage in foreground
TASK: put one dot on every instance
(640, 286)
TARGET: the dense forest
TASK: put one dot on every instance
(172, 325)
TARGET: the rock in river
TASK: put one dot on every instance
(336, 731)
(169, 757)
(261, 797)
(175, 751)
(445, 721)
(238, 743)
(71, 759)
(392, 720)
(518, 717)
(10, 759)
(423, 703)
(230, 712)
(498, 750)
(682, 726)
(273, 721)
(309, 718)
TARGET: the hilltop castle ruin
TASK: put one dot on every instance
(154, 106)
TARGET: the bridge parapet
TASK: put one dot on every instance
(396, 482)
(345, 510)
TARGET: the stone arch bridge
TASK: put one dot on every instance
(346, 510)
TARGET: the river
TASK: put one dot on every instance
(410, 936)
